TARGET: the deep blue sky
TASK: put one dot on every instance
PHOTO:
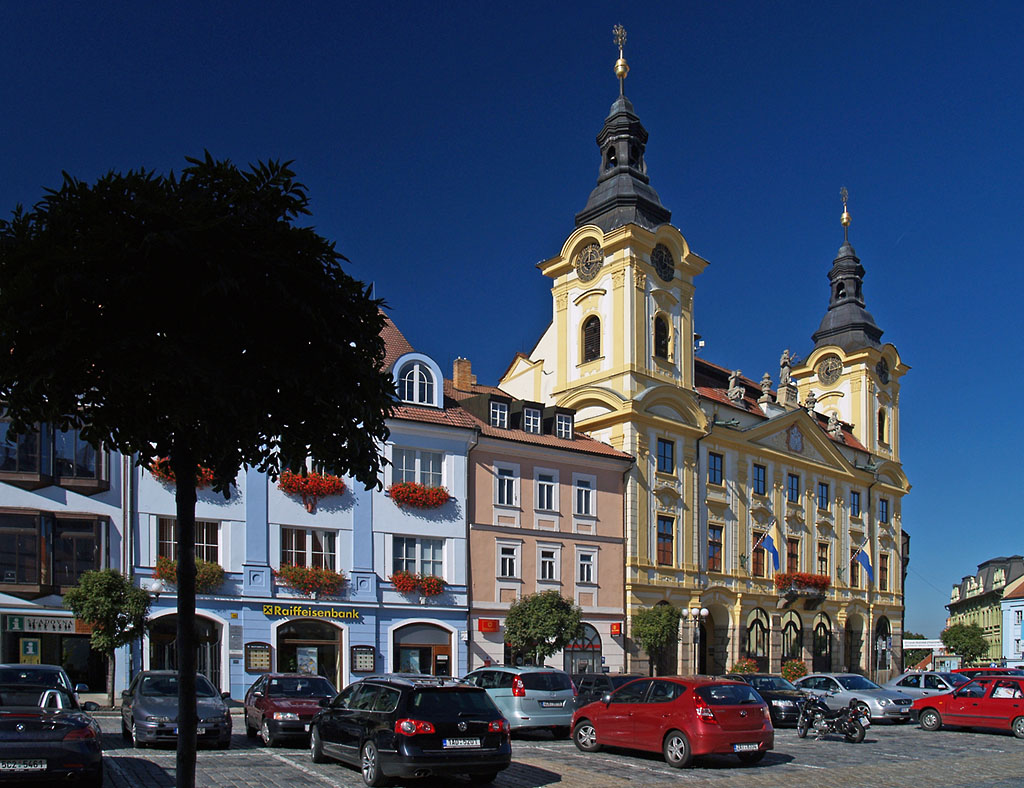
(447, 147)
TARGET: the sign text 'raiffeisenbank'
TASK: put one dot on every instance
(309, 611)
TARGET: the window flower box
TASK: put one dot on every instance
(209, 575)
(802, 583)
(414, 495)
(431, 585)
(405, 582)
(311, 580)
(311, 487)
(161, 470)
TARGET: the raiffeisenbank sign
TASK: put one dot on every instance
(310, 611)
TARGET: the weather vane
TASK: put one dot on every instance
(621, 66)
(845, 218)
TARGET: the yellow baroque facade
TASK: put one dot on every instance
(724, 462)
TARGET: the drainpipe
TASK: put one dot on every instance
(469, 553)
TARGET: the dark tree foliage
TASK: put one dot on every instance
(543, 623)
(656, 631)
(967, 640)
(189, 317)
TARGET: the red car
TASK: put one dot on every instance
(281, 705)
(973, 673)
(984, 702)
(679, 716)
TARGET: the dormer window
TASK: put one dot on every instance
(531, 420)
(499, 415)
(416, 384)
(563, 426)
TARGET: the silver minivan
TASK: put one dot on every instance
(529, 697)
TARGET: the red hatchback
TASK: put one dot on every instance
(281, 705)
(985, 702)
(679, 716)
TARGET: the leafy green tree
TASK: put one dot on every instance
(542, 624)
(914, 655)
(189, 317)
(115, 608)
(967, 640)
(656, 631)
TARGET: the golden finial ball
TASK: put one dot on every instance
(845, 219)
(621, 68)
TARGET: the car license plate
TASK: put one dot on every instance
(552, 704)
(451, 743)
(34, 765)
(746, 747)
(199, 731)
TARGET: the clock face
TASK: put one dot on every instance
(589, 262)
(829, 369)
(663, 263)
(882, 370)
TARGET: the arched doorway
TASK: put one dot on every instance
(583, 655)
(883, 644)
(422, 648)
(309, 646)
(854, 637)
(163, 649)
(822, 646)
(792, 636)
(757, 638)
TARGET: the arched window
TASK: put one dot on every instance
(583, 655)
(822, 645)
(792, 635)
(757, 637)
(591, 338)
(883, 643)
(881, 425)
(416, 384)
(661, 337)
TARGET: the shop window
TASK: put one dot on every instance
(423, 648)
(583, 655)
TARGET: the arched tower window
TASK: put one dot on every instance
(591, 338)
(881, 425)
(661, 337)
(416, 384)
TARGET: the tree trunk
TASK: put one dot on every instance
(184, 465)
(111, 667)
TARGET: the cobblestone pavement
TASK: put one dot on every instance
(897, 756)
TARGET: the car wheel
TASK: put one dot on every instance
(250, 732)
(483, 779)
(930, 720)
(801, 729)
(1018, 727)
(748, 758)
(316, 747)
(125, 733)
(369, 763)
(561, 732)
(854, 732)
(135, 738)
(676, 750)
(585, 736)
(267, 737)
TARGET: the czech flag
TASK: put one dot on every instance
(772, 541)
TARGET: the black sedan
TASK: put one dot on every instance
(46, 737)
(781, 695)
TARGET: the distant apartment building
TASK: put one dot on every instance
(977, 599)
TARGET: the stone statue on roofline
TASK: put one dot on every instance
(736, 390)
(785, 364)
(766, 388)
(810, 402)
(834, 428)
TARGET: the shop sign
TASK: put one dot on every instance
(617, 628)
(64, 625)
(487, 625)
(30, 651)
(257, 657)
(310, 611)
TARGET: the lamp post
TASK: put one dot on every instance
(696, 615)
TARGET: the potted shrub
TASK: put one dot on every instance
(414, 495)
(793, 669)
(209, 575)
(431, 585)
(405, 582)
(161, 470)
(311, 580)
(311, 487)
(745, 665)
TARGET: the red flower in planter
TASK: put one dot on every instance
(405, 582)
(784, 580)
(311, 486)
(417, 496)
(209, 575)
(744, 665)
(311, 580)
(431, 585)
(161, 471)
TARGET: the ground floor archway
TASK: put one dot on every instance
(163, 646)
(311, 646)
(421, 647)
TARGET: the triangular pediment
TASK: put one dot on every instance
(799, 436)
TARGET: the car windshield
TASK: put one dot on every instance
(300, 687)
(167, 687)
(546, 681)
(857, 683)
(618, 681)
(771, 683)
(438, 701)
(727, 694)
(40, 678)
(956, 679)
(25, 695)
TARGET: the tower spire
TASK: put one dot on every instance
(621, 66)
(845, 218)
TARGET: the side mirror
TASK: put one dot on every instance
(257, 693)
(125, 694)
(225, 695)
(81, 688)
(90, 705)
(324, 702)
(606, 698)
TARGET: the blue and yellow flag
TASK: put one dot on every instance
(771, 543)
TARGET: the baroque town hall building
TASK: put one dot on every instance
(727, 468)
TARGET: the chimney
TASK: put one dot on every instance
(462, 374)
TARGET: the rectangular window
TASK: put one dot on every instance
(666, 456)
(759, 480)
(76, 549)
(823, 496)
(792, 555)
(757, 558)
(75, 459)
(714, 468)
(666, 541)
(207, 539)
(714, 548)
(19, 453)
(309, 547)
(414, 465)
(883, 571)
(418, 556)
(1017, 616)
(531, 420)
(563, 426)
(508, 561)
(499, 415)
(546, 492)
(585, 568)
(883, 510)
(793, 488)
(823, 559)
(547, 564)
(505, 489)
(855, 503)
(584, 497)
(854, 568)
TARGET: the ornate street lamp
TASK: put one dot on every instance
(696, 615)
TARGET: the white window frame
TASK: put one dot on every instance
(564, 426)
(423, 383)
(503, 474)
(591, 482)
(532, 421)
(324, 532)
(201, 547)
(591, 553)
(499, 415)
(538, 485)
(556, 562)
(419, 561)
(516, 556)
(419, 475)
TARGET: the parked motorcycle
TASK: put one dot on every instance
(849, 721)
